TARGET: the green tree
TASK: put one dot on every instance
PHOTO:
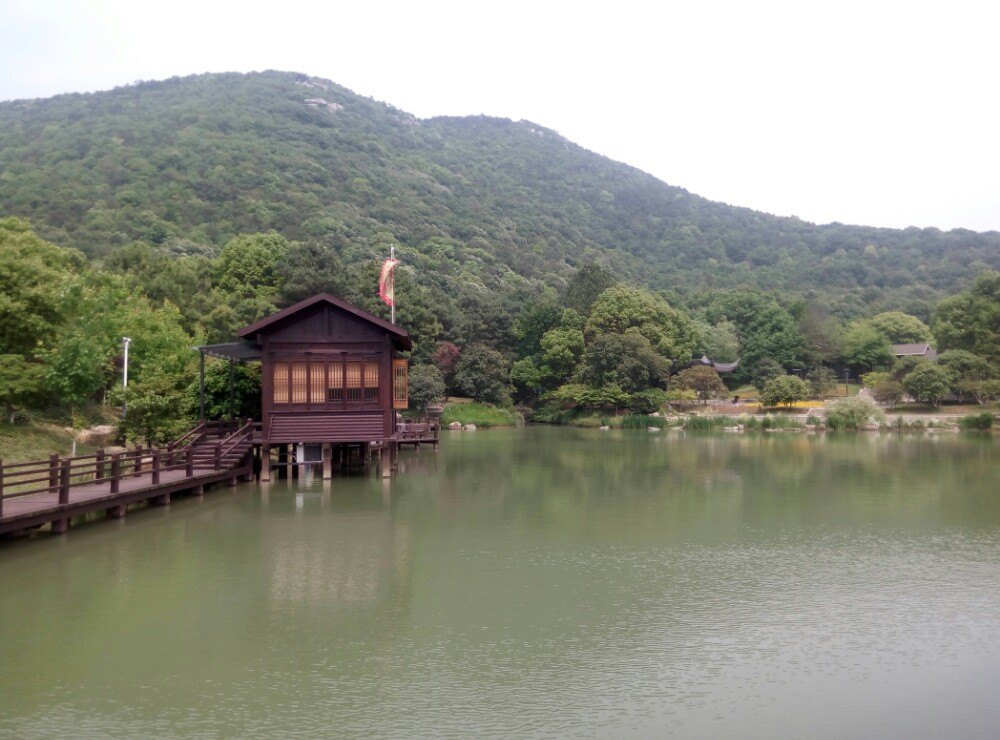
(32, 275)
(531, 324)
(928, 383)
(153, 410)
(784, 389)
(248, 266)
(900, 328)
(426, 387)
(888, 391)
(621, 308)
(585, 286)
(821, 381)
(865, 347)
(971, 320)
(766, 330)
(561, 350)
(720, 341)
(764, 370)
(627, 361)
(305, 269)
(965, 370)
(484, 374)
(246, 391)
(19, 384)
(701, 379)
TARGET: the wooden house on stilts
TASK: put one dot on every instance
(331, 381)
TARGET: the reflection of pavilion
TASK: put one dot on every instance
(323, 558)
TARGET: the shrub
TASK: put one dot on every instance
(784, 389)
(928, 383)
(888, 392)
(641, 421)
(854, 412)
(704, 423)
(977, 421)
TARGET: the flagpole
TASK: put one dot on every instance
(392, 308)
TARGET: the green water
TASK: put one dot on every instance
(534, 583)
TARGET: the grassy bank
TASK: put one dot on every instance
(480, 415)
(24, 442)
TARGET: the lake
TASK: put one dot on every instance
(534, 582)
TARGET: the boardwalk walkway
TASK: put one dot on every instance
(54, 491)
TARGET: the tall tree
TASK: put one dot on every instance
(620, 309)
(32, 275)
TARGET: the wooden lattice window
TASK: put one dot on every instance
(317, 382)
(280, 382)
(371, 382)
(400, 384)
(299, 387)
(335, 383)
(353, 377)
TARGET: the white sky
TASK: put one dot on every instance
(881, 113)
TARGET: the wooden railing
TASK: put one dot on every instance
(190, 452)
(58, 475)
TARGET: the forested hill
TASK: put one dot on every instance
(188, 163)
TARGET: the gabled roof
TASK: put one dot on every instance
(905, 350)
(400, 336)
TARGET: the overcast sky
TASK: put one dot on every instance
(878, 113)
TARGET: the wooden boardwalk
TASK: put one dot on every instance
(54, 491)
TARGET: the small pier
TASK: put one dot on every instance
(54, 491)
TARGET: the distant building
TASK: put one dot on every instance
(921, 349)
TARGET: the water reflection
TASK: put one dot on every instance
(534, 582)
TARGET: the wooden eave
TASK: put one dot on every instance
(401, 338)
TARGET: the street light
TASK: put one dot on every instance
(126, 341)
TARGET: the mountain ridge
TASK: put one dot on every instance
(189, 162)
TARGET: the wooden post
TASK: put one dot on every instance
(282, 461)
(53, 472)
(116, 471)
(327, 461)
(99, 467)
(156, 466)
(265, 463)
(385, 462)
(189, 463)
(170, 453)
(1, 487)
(64, 482)
(138, 460)
(218, 457)
(116, 512)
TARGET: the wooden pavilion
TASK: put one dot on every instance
(331, 381)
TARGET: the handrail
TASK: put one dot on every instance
(60, 474)
(199, 430)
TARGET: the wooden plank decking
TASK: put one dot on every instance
(72, 487)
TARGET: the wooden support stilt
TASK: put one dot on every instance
(282, 461)
(265, 463)
(327, 461)
(198, 490)
(160, 500)
(116, 512)
(60, 526)
(385, 463)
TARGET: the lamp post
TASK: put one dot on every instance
(126, 341)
